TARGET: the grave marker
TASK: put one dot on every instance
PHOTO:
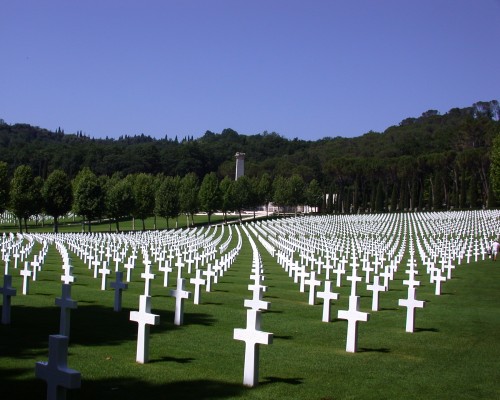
(144, 319)
(119, 287)
(66, 303)
(7, 292)
(253, 337)
(180, 294)
(55, 372)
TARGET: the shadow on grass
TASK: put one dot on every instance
(417, 330)
(91, 325)
(290, 381)
(172, 359)
(127, 388)
(283, 337)
(373, 350)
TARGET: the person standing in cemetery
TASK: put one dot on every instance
(495, 247)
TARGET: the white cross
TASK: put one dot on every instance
(411, 303)
(26, 273)
(354, 278)
(144, 318)
(66, 303)
(7, 291)
(253, 337)
(209, 274)
(376, 287)
(312, 282)
(327, 295)
(180, 294)
(55, 372)
(197, 282)
(104, 271)
(353, 315)
(147, 276)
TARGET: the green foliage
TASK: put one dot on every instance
(167, 202)
(188, 194)
(23, 194)
(57, 195)
(209, 196)
(88, 196)
(4, 186)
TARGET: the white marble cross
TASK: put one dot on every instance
(197, 282)
(147, 276)
(119, 286)
(144, 318)
(180, 294)
(209, 273)
(26, 273)
(312, 282)
(253, 337)
(353, 315)
(104, 271)
(7, 291)
(56, 372)
(327, 295)
(66, 303)
(354, 278)
(376, 288)
(411, 303)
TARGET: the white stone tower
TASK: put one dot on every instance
(240, 165)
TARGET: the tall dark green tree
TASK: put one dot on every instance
(144, 197)
(4, 186)
(296, 191)
(242, 189)
(226, 190)
(209, 195)
(167, 203)
(88, 196)
(314, 195)
(22, 195)
(119, 200)
(188, 195)
(266, 190)
(57, 196)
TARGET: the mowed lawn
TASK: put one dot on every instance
(454, 352)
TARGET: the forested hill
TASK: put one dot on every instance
(460, 129)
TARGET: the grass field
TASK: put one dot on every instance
(453, 354)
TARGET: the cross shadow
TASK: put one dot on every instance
(283, 337)
(388, 309)
(426, 330)
(372, 350)
(172, 359)
(290, 381)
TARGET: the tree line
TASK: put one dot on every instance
(432, 162)
(142, 195)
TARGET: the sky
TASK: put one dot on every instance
(303, 69)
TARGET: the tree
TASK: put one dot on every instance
(88, 196)
(119, 200)
(188, 195)
(226, 191)
(266, 190)
(167, 203)
(57, 195)
(314, 194)
(296, 187)
(241, 193)
(281, 191)
(23, 195)
(495, 166)
(4, 186)
(144, 197)
(209, 194)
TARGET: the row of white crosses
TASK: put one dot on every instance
(305, 241)
(252, 335)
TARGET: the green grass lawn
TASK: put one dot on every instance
(454, 353)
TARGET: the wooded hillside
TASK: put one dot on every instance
(432, 161)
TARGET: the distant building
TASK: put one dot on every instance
(240, 165)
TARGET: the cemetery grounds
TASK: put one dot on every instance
(453, 352)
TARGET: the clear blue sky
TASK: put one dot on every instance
(306, 69)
